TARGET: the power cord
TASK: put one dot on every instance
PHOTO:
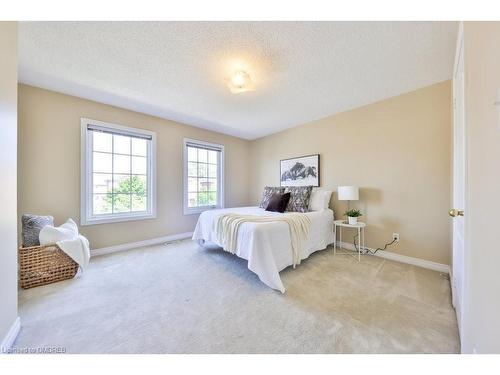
(368, 251)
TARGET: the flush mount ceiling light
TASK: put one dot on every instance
(240, 82)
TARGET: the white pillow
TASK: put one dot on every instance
(50, 235)
(320, 199)
(327, 196)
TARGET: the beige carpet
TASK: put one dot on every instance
(181, 298)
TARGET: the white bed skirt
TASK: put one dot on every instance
(267, 246)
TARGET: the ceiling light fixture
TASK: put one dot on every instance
(240, 82)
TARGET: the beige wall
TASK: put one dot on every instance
(49, 165)
(8, 171)
(397, 151)
(482, 85)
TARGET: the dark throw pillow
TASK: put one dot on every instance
(278, 202)
(269, 191)
(299, 199)
(31, 227)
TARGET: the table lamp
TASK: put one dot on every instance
(348, 193)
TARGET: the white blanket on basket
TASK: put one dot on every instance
(69, 240)
(77, 249)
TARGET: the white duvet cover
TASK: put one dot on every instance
(267, 246)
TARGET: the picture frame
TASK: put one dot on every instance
(300, 171)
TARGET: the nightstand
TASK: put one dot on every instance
(360, 227)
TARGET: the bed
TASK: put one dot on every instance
(267, 246)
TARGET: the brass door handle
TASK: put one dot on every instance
(454, 212)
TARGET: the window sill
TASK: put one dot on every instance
(116, 219)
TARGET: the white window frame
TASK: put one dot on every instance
(86, 199)
(220, 178)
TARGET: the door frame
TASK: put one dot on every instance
(461, 319)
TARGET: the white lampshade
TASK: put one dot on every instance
(348, 193)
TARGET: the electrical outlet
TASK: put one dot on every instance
(395, 236)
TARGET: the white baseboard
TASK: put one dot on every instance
(444, 268)
(11, 336)
(134, 245)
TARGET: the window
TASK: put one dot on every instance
(203, 176)
(118, 173)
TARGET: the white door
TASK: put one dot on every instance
(459, 184)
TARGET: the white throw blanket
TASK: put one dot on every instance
(226, 229)
(69, 240)
(77, 249)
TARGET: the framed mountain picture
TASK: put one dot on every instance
(300, 171)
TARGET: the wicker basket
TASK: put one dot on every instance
(40, 265)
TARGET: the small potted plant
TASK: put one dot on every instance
(353, 215)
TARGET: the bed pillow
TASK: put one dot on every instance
(31, 227)
(327, 196)
(50, 235)
(278, 202)
(299, 198)
(269, 191)
(320, 200)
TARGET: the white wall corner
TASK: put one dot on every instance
(10, 338)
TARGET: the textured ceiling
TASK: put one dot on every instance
(302, 71)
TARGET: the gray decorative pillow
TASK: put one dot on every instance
(32, 225)
(269, 191)
(299, 198)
